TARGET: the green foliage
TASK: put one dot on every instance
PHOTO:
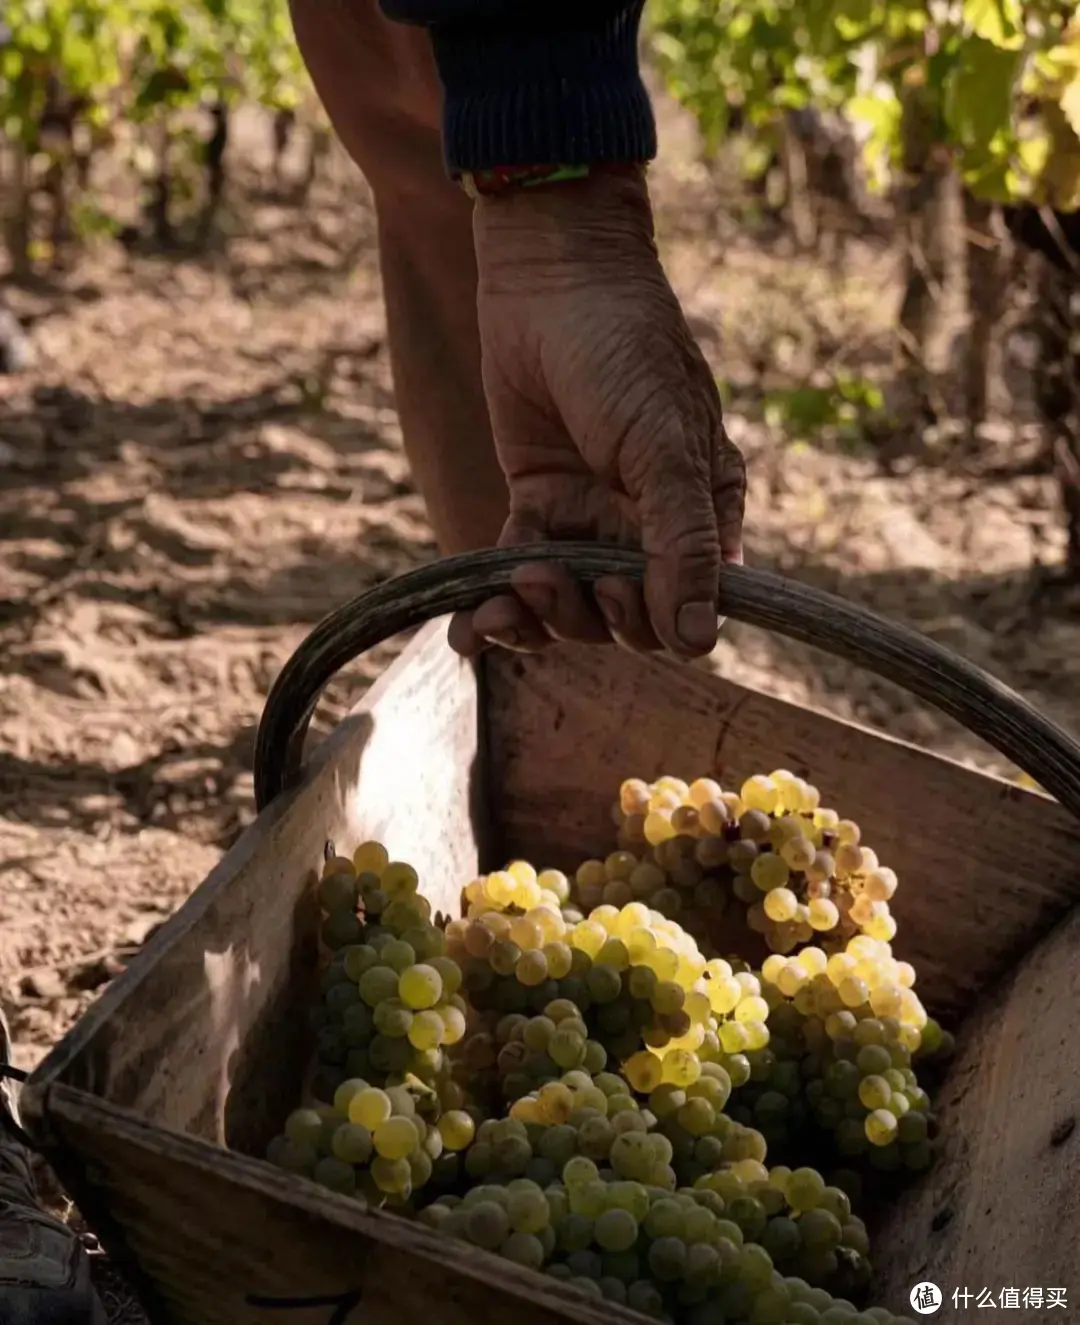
(994, 83)
(136, 58)
(841, 410)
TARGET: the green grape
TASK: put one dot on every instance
(359, 959)
(595, 1138)
(392, 1176)
(667, 1258)
(488, 1225)
(298, 1157)
(528, 1209)
(398, 955)
(873, 1059)
(820, 1230)
(567, 1048)
(340, 929)
(339, 892)
(378, 984)
(616, 1230)
(804, 1189)
(912, 1128)
(352, 1143)
(575, 1232)
(523, 1249)
(664, 1219)
(304, 1127)
(512, 1155)
(644, 1296)
(392, 1019)
(782, 1238)
(435, 1216)
(419, 987)
(631, 1156)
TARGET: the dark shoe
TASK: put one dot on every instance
(44, 1268)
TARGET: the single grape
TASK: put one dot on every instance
(457, 1129)
(396, 1138)
(351, 1143)
(420, 987)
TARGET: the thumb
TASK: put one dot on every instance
(681, 541)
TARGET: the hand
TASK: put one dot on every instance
(606, 419)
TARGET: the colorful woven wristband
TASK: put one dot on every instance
(498, 181)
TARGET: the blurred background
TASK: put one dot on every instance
(867, 207)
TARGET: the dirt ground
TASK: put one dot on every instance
(206, 459)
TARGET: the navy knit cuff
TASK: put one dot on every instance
(523, 97)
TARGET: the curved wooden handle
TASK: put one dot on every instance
(965, 692)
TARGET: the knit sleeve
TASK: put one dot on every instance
(529, 83)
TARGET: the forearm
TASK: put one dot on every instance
(530, 83)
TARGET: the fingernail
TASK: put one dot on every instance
(612, 610)
(507, 639)
(537, 597)
(696, 625)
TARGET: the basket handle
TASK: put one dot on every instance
(956, 687)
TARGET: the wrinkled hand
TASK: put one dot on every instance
(606, 420)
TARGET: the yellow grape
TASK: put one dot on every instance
(453, 1020)
(702, 791)
(881, 1127)
(457, 1129)
(560, 958)
(813, 961)
(399, 879)
(714, 816)
(370, 1108)
(853, 991)
(420, 987)
(781, 904)
(658, 827)
(644, 1071)
(634, 796)
(426, 1030)
(798, 853)
(396, 1137)
(370, 858)
(759, 793)
(680, 1068)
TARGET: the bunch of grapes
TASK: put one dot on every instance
(844, 1032)
(390, 1010)
(687, 1254)
(379, 1142)
(797, 867)
(570, 1077)
(632, 976)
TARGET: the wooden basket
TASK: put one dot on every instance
(200, 1044)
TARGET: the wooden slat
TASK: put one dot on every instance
(1001, 1208)
(985, 867)
(205, 1030)
(210, 1228)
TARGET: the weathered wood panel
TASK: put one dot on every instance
(1001, 1208)
(985, 867)
(206, 1029)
